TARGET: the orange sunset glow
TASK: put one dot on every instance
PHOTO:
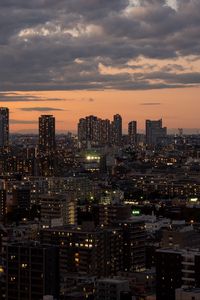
(177, 107)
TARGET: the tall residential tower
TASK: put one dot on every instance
(117, 129)
(47, 134)
(4, 127)
(154, 132)
(132, 132)
(94, 131)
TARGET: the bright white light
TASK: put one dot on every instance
(194, 199)
(50, 29)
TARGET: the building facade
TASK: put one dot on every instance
(116, 129)
(47, 142)
(176, 269)
(4, 127)
(155, 132)
(31, 271)
(132, 132)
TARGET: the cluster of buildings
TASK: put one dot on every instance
(99, 215)
(97, 132)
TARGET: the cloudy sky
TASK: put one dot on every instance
(71, 58)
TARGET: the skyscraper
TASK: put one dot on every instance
(82, 134)
(4, 127)
(132, 132)
(93, 130)
(154, 131)
(89, 130)
(47, 134)
(104, 132)
(117, 129)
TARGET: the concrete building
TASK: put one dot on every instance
(116, 130)
(188, 294)
(58, 209)
(176, 269)
(93, 131)
(132, 132)
(4, 127)
(111, 289)
(84, 250)
(22, 198)
(48, 297)
(47, 142)
(134, 238)
(154, 132)
(2, 204)
(112, 213)
(181, 237)
(31, 271)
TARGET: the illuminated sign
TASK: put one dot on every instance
(90, 157)
(194, 199)
(136, 212)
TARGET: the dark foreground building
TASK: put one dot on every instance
(31, 271)
(176, 269)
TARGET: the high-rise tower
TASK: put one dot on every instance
(117, 129)
(132, 132)
(47, 134)
(154, 132)
(4, 127)
(93, 130)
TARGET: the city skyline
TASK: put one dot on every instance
(99, 150)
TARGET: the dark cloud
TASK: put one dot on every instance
(58, 45)
(41, 109)
(15, 97)
(13, 121)
(28, 122)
